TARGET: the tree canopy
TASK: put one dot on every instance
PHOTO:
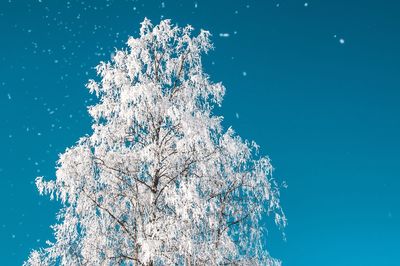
(159, 181)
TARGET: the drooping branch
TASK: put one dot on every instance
(120, 171)
(118, 221)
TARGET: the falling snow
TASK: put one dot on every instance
(51, 48)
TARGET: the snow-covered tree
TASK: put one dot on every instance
(159, 181)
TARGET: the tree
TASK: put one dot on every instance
(159, 182)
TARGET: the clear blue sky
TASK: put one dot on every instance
(316, 85)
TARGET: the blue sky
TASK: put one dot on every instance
(315, 83)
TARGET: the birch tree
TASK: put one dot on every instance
(159, 181)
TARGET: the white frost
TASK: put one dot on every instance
(159, 182)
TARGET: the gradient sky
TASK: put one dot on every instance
(315, 83)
